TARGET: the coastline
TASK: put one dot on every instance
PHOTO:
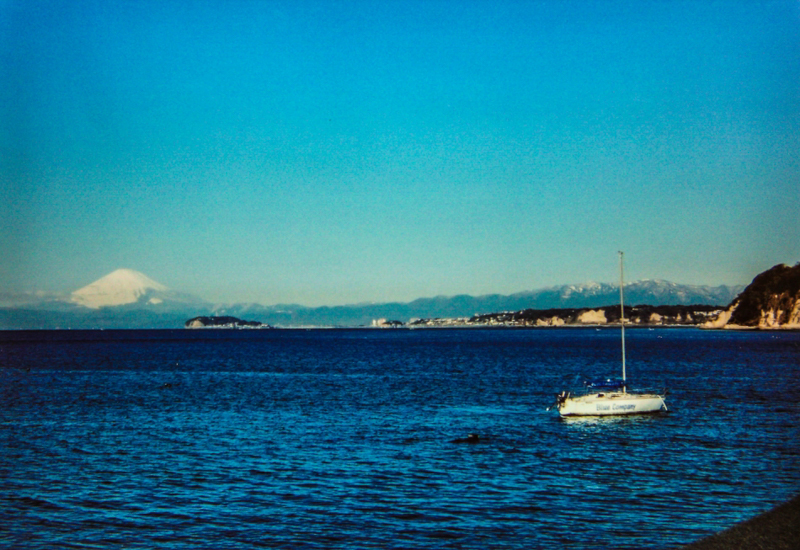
(776, 529)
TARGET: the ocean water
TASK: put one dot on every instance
(355, 438)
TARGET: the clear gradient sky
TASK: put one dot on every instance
(331, 152)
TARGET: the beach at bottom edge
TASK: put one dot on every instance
(776, 529)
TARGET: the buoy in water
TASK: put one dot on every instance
(471, 438)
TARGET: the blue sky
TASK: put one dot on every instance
(340, 152)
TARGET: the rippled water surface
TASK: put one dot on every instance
(354, 438)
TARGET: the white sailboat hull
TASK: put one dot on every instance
(613, 403)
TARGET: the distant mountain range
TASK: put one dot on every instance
(129, 299)
(589, 295)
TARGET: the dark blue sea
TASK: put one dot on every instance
(355, 438)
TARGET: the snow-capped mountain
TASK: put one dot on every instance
(127, 287)
(123, 286)
(647, 291)
(660, 292)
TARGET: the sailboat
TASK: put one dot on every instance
(611, 397)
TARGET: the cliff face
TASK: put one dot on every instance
(772, 300)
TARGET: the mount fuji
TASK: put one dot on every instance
(126, 287)
(123, 299)
(123, 286)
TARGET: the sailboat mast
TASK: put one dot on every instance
(622, 320)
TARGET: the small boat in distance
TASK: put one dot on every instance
(610, 397)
